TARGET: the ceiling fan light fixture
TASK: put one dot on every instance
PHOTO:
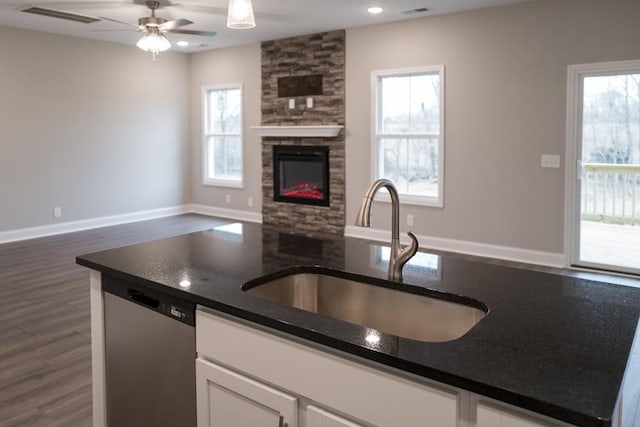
(240, 15)
(153, 42)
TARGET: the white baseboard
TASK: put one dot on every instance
(225, 213)
(460, 246)
(105, 221)
(550, 259)
(85, 224)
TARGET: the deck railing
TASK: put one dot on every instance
(611, 193)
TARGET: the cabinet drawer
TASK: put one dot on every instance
(349, 386)
(491, 416)
(317, 417)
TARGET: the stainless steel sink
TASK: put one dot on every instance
(392, 311)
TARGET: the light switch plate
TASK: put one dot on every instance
(292, 104)
(409, 220)
(550, 161)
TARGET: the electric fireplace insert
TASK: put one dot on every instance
(301, 175)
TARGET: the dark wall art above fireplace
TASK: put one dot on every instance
(301, 174)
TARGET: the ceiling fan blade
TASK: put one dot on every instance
(137, 27)
(84, 4)
(113, 30)
(194, 32)
(170, 25)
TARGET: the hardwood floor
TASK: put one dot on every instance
(45, 354)
(45, 359)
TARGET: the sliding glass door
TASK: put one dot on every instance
(604, 155)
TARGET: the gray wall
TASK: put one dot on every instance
(222, 66)
(95, 128)
(83, 126)
(506, 72)
(505, 107)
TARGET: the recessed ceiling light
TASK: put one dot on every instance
(183, 43)
(374, 10)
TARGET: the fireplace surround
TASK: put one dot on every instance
(301, 174)
(301, 57)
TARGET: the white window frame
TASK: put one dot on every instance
(375, 93)
(205, 136)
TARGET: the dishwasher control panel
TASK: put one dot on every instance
(179, 313)
(159, 302)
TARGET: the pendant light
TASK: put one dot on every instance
(240, 15)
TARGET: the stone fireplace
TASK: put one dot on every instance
(303, 85)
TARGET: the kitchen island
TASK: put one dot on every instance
(550, 345)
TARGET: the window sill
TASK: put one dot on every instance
(223, 183)
(430, 202)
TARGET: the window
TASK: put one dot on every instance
(409, 132)
(223, 135)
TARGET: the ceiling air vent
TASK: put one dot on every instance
(418, 10)
(61, 15)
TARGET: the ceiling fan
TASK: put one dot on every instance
(154, 27)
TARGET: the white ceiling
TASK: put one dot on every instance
(274, 18)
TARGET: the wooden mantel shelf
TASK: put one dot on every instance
(323, 131)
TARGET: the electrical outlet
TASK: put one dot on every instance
(550, 161)
(250, 202)
(292, 103)
(309, 102)
(409, 220)
(227, 198)
(57, 212)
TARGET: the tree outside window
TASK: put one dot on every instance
(611, 119)
(223, 135)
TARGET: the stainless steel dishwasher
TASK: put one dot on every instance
(150, 357)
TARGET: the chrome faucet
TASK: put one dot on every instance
(399, 256)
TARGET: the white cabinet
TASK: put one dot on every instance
(226, 398)
(331, 382)
(317, 417)
(246, 370)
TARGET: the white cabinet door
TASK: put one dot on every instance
(347, 385)
(228, 399)
(489, 416)
(317, 417)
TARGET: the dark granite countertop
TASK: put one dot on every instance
(552, 344)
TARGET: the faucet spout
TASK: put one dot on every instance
(399, 256)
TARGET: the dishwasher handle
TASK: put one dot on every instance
(143, 299)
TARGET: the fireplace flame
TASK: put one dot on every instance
(305, 191)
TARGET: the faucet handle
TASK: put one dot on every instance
(402, 255)
(408, 251)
